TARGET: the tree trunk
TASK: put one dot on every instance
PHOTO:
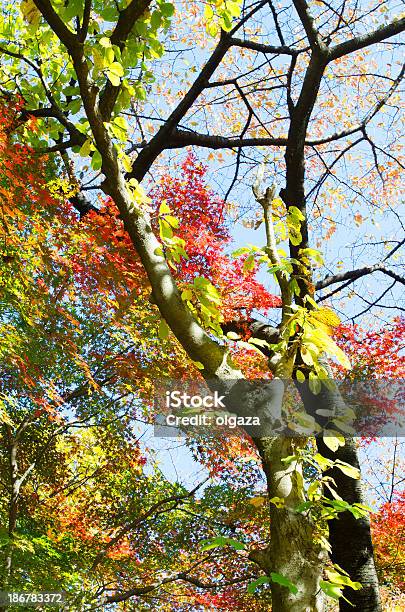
(294, 551)
(12, 513)
(350, 538)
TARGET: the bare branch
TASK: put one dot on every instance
(255, 46)
(370, 115)
(353, 275)
(183, 138)
(82, 34)
(360, 42)
(276, 23)
(183, 576)
(159, 142)
(315, 39)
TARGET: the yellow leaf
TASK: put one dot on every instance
(30, 12)
(279, 502)
(257, 501)
(326, 316)
(333, 440)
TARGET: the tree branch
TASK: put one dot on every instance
(65, 35)
(255, 46)
(360, 42)
(154, 509)
(370, 115)
(158, 143)
(353, 275)
(82, 34)
(183, 576)
(125, 23)
(184, 138)
(314, 38)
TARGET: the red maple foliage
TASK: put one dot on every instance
(388, 526)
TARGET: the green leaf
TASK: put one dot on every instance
(249, 263)
(241, 251)
(280, 579)
(86, 148)
(172, 221)
(323, 462)
(331, 590)
(109, 56)
(30, 13)
(331, 442)
(279, 502)
(121, 122)
(313, 488)
(343, 579)
(258, 342)
(295, 213)
(187, 295)
(300, 376)
(198, 365)
(163, 330)
(232, 336)
(114, 73)
(156, 20)
(222, 541)
(315, 384)
(306, 356)
(104, 42)
(163, 208)
(226, 22)
(75, 105)
(289, 459)
(295, 237)
(167, 9)
(251, 588)
(304, 506)
(166, 232)
(109, 13)
(96, 161)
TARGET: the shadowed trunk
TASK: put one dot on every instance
(350, 538)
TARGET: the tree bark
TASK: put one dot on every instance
(350, 538)
(294, 551)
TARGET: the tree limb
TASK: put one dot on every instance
(158, 143)
(154, 509)
(360, 42)
(125, 23)
(315, 39)
(65, 35)
(184, 138)
(82, 34)
(262, 48)
(183, 576)
(353, 275)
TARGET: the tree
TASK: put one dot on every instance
(77, 496)
(96, 63)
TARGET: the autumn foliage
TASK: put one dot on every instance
(79, 330)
